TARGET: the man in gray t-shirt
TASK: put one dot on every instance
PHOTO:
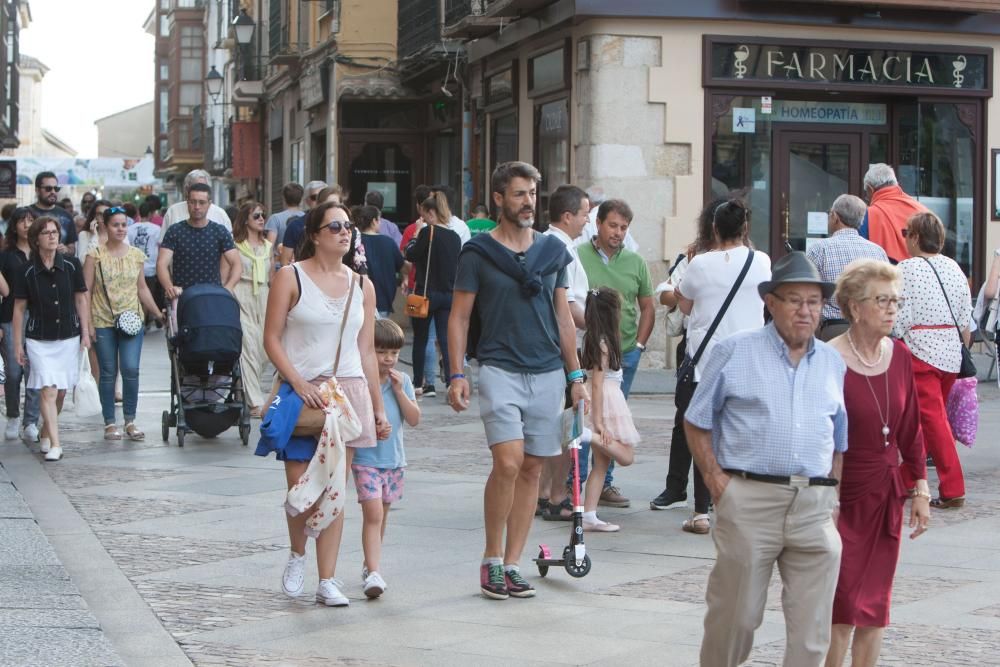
(274, 228)
(526, 343)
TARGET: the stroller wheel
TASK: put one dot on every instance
(542, 569)
(580, 570)
(180, 435)
(245, 434)
(165, 425)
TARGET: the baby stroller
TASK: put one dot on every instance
(205, 340)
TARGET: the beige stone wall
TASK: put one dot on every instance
(126, 134)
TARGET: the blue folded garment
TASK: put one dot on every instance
(277, 425)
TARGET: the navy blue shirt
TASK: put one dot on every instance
(384, 262)
(67, 234)
(294, 231)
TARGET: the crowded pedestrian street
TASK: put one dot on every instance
(149, 554)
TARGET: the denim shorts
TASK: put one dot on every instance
(522, 406)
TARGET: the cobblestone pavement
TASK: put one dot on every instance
(200, 535)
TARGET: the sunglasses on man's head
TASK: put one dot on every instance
(51, 188)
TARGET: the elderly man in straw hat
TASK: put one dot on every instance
(768, 428)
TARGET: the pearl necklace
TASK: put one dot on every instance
(864, 362)
(878, 406)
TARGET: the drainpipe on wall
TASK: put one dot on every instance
(466, 153)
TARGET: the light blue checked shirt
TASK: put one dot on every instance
(766, 416)
(832, 255)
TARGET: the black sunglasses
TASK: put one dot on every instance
(258, 216)
(337, 226)
(50, 188)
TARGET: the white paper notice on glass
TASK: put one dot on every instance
(744, 120)
(810, 242)
(816, 222)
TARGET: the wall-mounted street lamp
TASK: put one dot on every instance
(244, 27)
(213, 82)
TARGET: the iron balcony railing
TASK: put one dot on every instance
(419, 26)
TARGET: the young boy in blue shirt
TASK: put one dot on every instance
(378, 471)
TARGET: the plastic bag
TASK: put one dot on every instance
(963, 411)
(86, 400)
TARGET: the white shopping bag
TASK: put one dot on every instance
(86, 400)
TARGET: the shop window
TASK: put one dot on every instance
(741, 162)
(937, 164)
(548, 72)
(503, 139)
(501, 87)
(551, 147)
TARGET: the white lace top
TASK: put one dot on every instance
(313, 327)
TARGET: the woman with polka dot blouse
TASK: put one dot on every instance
(926, 325)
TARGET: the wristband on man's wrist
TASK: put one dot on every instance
(457, 376)
(575, 375)
(641, 346)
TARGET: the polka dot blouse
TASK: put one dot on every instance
(939, 345)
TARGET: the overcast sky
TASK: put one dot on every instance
(100, 61)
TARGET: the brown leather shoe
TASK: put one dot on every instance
(948, 503)
(612, 496)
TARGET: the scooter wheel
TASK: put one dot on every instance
(542, 569)
(580, 570)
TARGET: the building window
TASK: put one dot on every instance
(191, 69)
(164, 109)
(503, 139)
(164, 69)
(295, 166)
(548, 72)
(552, 146)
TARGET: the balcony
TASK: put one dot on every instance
(470, 19)
(181, 153)
(419, 27)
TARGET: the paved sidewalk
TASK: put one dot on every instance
(179, 552)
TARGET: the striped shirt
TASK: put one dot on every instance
(832, 255)
(766, 415)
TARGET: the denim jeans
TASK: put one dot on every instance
(12, 385)
(116, 350)
(630, 364)
(431, 357)
(440, 309)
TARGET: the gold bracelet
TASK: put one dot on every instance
(920, 494)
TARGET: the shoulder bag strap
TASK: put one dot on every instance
(104, 286)
(343, 323)
(724, 308)
(946, 300)
(427, 272)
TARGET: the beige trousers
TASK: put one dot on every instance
(756, 525)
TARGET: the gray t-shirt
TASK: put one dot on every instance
(519, 335)
(276, 223)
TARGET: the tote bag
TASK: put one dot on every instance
(86, 400)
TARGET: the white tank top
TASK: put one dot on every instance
(313, 327)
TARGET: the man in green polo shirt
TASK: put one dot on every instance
(609, 264)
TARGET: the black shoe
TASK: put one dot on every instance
(668, 500)
(429, 391)
(930, 462)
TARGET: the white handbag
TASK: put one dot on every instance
(86, 399)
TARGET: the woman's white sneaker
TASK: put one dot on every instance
(374, 585)
(45, 445)
(293, 582)
(13, 429)
(54, 454)
(329, 593)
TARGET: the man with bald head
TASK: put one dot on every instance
(832, 254)
(179, 211)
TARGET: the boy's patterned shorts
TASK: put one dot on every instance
(384, 483)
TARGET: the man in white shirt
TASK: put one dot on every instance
(179, 211)
(568, 208)
(596, 197)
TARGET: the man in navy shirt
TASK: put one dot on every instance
(47, 191)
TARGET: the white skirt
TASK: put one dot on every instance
(53, 363)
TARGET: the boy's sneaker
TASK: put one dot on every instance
(374, 585)
(30, 433)
(517, 587)
(364, 573)
(293, 581)
(12, 430)
(612, 496)
(493, 581)
(329, 593)
(429, 391)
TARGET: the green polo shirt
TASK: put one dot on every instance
(626, 272)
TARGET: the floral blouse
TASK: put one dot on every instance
(117, 277)
(925, 323)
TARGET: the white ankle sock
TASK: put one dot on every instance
(590, 517)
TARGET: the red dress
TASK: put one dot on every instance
(872, 493)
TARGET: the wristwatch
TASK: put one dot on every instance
(642, 348)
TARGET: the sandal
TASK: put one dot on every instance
(541, 505)
(561, 512)
(133, 432)
(948, 503)
(112, 432)
(698, 524)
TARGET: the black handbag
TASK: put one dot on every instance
(968, 368)
(685, 371)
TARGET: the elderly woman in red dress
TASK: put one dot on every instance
(883, 428)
